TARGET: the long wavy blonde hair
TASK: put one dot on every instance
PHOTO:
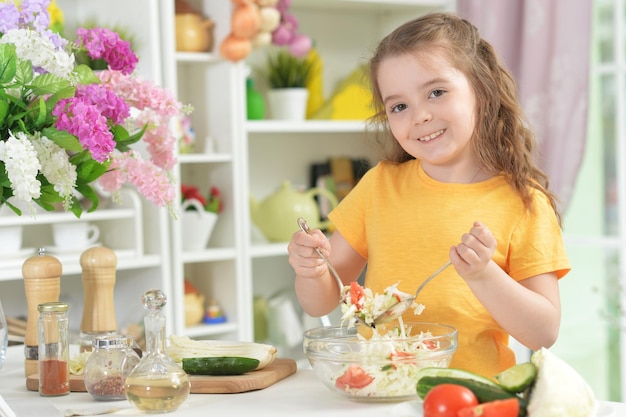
(502, 140)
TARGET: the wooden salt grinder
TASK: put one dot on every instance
(98, 265)
(42, 284)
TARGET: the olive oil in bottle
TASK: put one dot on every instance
(157, 384)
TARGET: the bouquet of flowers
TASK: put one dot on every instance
(64, 126)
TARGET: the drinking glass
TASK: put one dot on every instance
(4, 336)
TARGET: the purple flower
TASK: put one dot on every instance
(102, 43)
(85, 121)
(106, 101)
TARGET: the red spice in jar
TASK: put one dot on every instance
(54, 377)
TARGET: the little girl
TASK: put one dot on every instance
(458, 182)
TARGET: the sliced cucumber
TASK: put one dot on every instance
(518, 377)
(221, 365)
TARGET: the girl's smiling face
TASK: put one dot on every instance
(430, 107)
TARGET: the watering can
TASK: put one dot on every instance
(276, 215)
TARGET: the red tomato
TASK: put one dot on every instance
(445, 400)
(356, 294)
(497, 408)
(354, 377)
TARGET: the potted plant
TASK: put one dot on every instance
(199, 215)
(287, 77)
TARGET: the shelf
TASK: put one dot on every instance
(203, 330)
(372, 5)
(209, 255)
(202, 158)
(11, 269)
(196, 57)
(269, 250)
(307, 126)
(43, 218)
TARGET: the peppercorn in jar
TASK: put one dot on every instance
(106, 369)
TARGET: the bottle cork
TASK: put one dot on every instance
(42, 284)
(98, 275)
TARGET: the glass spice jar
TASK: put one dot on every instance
(107, 367)
(53, 332)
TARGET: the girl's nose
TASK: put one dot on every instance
(422, 115)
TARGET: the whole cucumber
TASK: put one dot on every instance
(220, 365)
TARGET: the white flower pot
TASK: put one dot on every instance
(288, 103)
(197, 226)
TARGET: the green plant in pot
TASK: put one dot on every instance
(287, 77)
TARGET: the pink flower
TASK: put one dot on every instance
(102, 43)
(85, 121)
(151, 181)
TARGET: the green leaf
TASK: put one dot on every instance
(89, 170)
(8, 63)
(59, 95)
(41, 117)
(48, 84)
(24, 72)
(89, 193)
(63, 139)
(4, 108)
(123, 140)
(86, 75)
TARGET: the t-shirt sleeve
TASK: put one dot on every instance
(537, 245)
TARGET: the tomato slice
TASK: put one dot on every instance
(354, 377)
(356, 295)
(445, 400)
(497, 408)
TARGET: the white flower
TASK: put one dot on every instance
(30, 46)
(21, 163)
(56, 167)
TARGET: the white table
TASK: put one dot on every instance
(299, 395)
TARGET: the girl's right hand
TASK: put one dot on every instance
(303, 256)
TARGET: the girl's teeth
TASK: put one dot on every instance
(430, 137)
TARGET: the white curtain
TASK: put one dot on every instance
(546, 45)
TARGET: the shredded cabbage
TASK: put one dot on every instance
(368, 305)
(392, 367)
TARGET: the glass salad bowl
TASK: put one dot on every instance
(379, 364)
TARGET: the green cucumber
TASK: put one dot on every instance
(484, 391)
(220, 365)
(452, 372)
(518, 377)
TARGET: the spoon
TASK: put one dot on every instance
(304, 226)
(399, 308)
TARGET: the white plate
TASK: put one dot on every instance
(55, 250)
(19, 254)
(414, 409)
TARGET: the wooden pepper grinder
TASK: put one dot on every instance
(42, 284)
(98, 265)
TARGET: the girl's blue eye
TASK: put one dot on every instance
(398, 108)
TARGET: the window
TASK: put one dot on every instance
(593, 323)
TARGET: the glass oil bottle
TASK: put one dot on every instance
(157, 384)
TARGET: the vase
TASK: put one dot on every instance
(197, 225)
(288, 103)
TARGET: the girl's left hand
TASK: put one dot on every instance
(475, 251)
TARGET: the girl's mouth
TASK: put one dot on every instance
(431, 136)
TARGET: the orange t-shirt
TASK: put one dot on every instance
(404, 223)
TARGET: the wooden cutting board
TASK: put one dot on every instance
(200, 384)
